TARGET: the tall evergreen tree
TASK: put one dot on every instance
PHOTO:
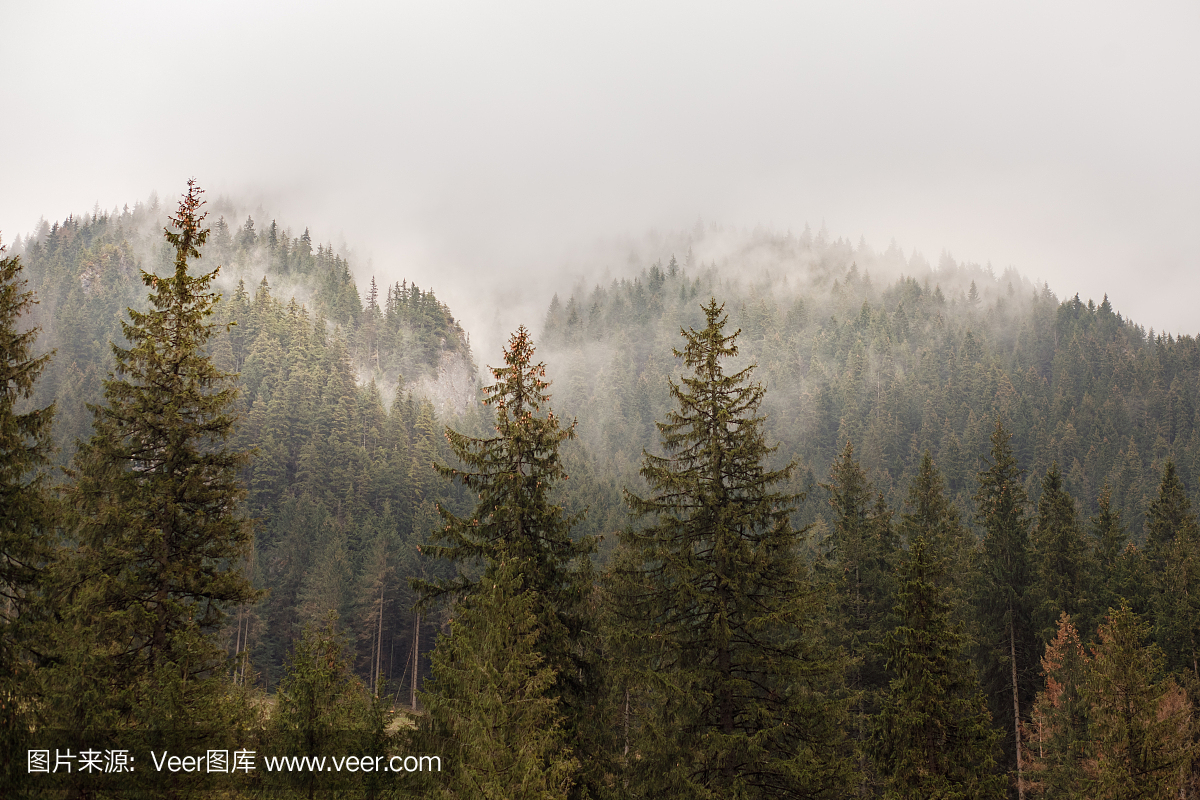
(514, 474)
(1115, 576)
(1062, 566)
(933, 735)
(861, 562)
(1006, 629)
(158, 533)
(1140, 719)
(491, 706)
(25, 537)
(722, 611)
(1173, 552)
(928, 512)
(1060, 729)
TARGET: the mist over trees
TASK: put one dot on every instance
(805, 519)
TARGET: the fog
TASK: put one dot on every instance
(501, 152)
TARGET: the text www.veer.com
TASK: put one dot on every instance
(353, 764)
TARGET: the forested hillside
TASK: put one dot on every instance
(898, 358)
(341, 398)
(777, 517)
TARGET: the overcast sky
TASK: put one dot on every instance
(472, 145)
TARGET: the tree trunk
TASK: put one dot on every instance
(1012, 652)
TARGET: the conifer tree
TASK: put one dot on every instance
(516, 521)
(1061, 558)
(928, 512)
(1140, 719)
(1173, 553)
(722, 613)
(1006, 628)
(861, 562)
(25, 519)
(158, 533)
(933, 735)
(1115, 573)
(1060, 731)
(491, 705)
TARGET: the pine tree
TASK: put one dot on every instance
(1006, 628)
(721, 611)
(933, 735)
(861, 561)
(1140, 719)
(491, 705)
(1061, 559)
(514, 475)
(1060, 726)
(25, 513)
(157, 530)
(928, 512)
(318, 700)
(1173, 553)
(1115, 573)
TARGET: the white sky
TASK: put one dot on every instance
(471, 146)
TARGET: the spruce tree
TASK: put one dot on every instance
(723, 618)
(516, 521)
(928, 512)
(1006, 636)
(25, 517)
(157, 531)
(1060, 729)
(491, 705)
(1116, 572)
(860, 576)
(933, 735)
(1062, 563)
(1173, 553)
(1140, 720)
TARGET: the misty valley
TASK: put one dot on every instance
(751, 515)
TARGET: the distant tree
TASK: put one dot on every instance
(933, 735)
(1114, 578)
(723, 617)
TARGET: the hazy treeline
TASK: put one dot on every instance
(924, 361)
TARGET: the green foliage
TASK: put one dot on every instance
(492, 708)
(1109, 724)
(1006, 635)
(860, 576)
(1062, 561)
(1173, 555)
(723, 618)
(933, 736)
(1140, 721)
(516, 522)
(1118, 563)
(156, 531)
(318, 700)
(26, 514)
(1060, 740)
(928, 512)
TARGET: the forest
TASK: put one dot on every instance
(768, 515)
